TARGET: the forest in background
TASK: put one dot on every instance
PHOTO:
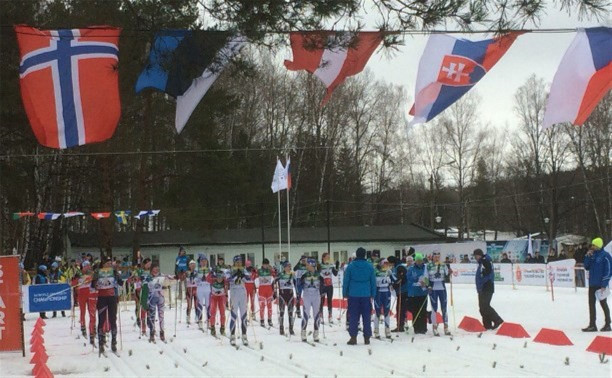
(356, 153)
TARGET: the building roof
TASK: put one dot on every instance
(394, 233)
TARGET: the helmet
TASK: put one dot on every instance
(42, 267)
(286, 264)
(54, 265)
(311, 261)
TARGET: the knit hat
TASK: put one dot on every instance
(418, 256)
(54, 265)
(237, 258)
(192, 262)
(202, 256)
(597, 242)
(42, 267)
(265, 261)
(311, 261)
(360, 253)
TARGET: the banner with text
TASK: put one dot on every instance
(11, 338)
(49, 297)
(562, 272)
(465, 273)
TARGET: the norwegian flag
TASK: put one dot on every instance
(69, 83)
(100, 215)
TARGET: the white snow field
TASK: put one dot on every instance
(193, 353)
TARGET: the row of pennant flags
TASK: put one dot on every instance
(122, 216)
(70, 92)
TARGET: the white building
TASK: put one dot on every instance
(255, 244)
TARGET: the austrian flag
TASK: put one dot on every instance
(332, 57)
(69, 83)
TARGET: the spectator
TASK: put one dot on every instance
(417, 294)
(538, 259)
(56, 276)
(25, 276)
(599, 264)
(505, 259)
(42, 278)
(359, 287)
(486, 287)
(465, 259)
(529, 259)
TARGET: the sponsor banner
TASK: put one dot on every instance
(530, 274)
(515, 249)
(49, 297)
(456, 252)
(465, 273)
(562, 272)
(11, 338)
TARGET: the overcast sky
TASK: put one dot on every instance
(532, 53)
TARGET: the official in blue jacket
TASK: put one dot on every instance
(42, 277)
(417, 281)
(359, 286)
(599, 264)
(485, 277)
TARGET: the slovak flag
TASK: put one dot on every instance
(49, 216)
(582, 79)
(69, 83)
(332, 57)
(450, 67)
(100, 215)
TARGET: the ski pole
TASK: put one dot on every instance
(453, 303)
(419, 312)
(120, 334)
(176, 307)
(320, 314)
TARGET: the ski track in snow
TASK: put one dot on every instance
(425, 356)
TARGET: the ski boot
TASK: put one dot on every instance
(262, 323)
(114, 345)
(303, 334)
(352, 341)
(233, 340)
(376, 333)
(200, 326)
(138, 321)
(387, 332)
(446, 330)
(366, 340)
(152, 337)
(245, 341)
(222, 330)
(291, 331)
(84, 332)
(282, 330)
(162, 337)
(330, 320)
(315, 336)
(213, 331)
(63, 314)
(54, 314)
(435, 330)
(92, 339)
(101, 349)
(299, 313)
(270, 323)
(188, 320)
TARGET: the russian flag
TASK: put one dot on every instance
(450, 67)
(49, 216)
(582, 79)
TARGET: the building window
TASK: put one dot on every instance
(155, 260)
(251, 258)
(343, 256)
(315, 255)
(336, 256)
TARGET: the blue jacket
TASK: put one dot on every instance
(413, 277)
(359, 280)
(599, 266)
(181, 263)
(485, 276)
(41, 278)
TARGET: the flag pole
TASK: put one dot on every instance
(280, 239)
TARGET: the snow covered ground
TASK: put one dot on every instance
(193, 353)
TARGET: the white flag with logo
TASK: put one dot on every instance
(279, 181)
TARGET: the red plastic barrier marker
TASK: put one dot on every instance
(601, 344)
(513, 330)
(552, 337)
(471, 325)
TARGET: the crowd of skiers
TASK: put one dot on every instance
(301, 291)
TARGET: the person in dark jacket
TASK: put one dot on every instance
(486, 287)
(599, 264)
(359, 286)
(105, 280)
(538, 259)
(42, 277)
(417, 281)
(505, 259)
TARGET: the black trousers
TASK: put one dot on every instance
(418, 307)
(488, 313)
(286, 300)
(107, 312)
(327, 291)
(401, 308)
(604, 306)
